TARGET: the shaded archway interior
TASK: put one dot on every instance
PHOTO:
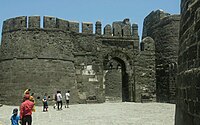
(116, 80)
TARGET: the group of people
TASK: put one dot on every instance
(28, 106)
(58, 99)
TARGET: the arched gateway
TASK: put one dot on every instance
(117, 77)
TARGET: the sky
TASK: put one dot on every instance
(107, 11)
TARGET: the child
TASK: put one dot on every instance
(45, 104)
(15, 117)
(67, 95)
(55, 99)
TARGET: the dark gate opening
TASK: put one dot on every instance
(116, 80)
(125, 90)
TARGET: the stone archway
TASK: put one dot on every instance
(117, 72)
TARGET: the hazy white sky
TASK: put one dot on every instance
(107, 11)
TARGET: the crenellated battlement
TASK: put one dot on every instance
(118, 28)
(15, 24)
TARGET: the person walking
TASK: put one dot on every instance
(15, 117)
(59, 100)
(67, 96)
(26, 110)
(55, 99)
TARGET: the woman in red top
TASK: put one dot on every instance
(26, 110)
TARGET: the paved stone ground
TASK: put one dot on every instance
(101, 114)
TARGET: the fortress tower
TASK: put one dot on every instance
(163, 28)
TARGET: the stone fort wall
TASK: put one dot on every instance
(163, 28)
(145, 71)
(58, 57)
(188, 84)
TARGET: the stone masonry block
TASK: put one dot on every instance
(34, 22)
(87, 28)
(74, 26)
(7, 25)
(117, 29)
(197, 15)
(20, 22)
(192, 53)
(107, 30)
(135, 31)
(197, 108)
(98, 28)
(62, 24)
(148, 44)
(196, 121)
(126, 31)
(15, 23)
(49, 22)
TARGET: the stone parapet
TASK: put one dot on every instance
(118, 28)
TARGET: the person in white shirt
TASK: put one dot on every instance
(67, 96)
(59, 100)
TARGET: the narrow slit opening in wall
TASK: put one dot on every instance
(102, 29)
(104, 32)
(41, 22)
(94, 28)
(141, 46)
(80, 27)
(27, 20)
(68, 27)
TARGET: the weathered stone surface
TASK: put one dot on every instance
(34, 22)
(15, 23)
(62, 24)
(93, 67)
(163, 28)
(145, 71)
(49, 22)
(87, 28)
(74, 26)
(107, 30)
(188, 88)
(98, 28)
(57, 57)
(38, 59)
(122, 28)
